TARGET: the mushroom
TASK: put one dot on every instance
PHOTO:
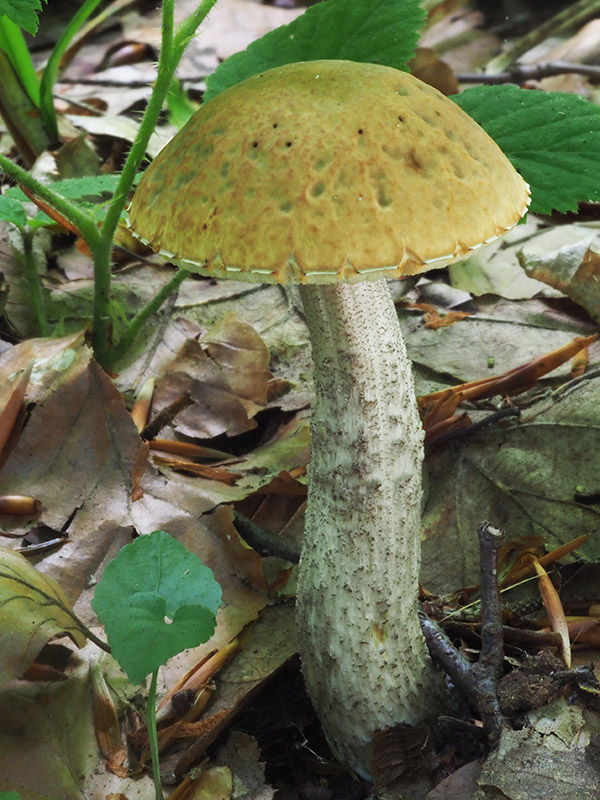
(336, 175)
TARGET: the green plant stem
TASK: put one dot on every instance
(100, 241)
(189, 26)
(102, 273)
(36, 293)
(15, 47)
(82, 221)
(51, 69)
(153, 736)
(171, 51)
(142, 316)
(566, 18)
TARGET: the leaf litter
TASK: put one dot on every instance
(80, 454)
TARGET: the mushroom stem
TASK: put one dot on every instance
(363, 654)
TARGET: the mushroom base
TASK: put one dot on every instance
(364, 658)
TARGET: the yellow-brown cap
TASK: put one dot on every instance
(322, 171)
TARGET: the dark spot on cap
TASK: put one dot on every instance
(412, 162)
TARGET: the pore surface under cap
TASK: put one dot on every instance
(322, 170)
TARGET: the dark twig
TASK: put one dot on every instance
(515, 636)
(521, 73)
(488, 670)
(166, 416)
(455, 665)
(477, 681)
(265, 542)
(492, 645)
(461, 433)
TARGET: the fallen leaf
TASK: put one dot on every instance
(33, 609)
(216, 407)
(555, 610)
(572, 269)
(242, 357)
(523, 475)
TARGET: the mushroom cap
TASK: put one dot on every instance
(321, 171)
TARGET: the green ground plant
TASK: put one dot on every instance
(155, 599)
(553, 139)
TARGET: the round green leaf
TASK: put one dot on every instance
(155, 599)
(142, 639)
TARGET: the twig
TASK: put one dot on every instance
(477, 681)
(566, 18)
(454, 664)
(488, 670)
(166, 416)
(265, 542)
(521, 73)
(461, 433)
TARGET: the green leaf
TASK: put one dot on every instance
(377, 31)
(23, 13)
(142, 641)
(90, 186)
(179, 104)
(76, 188)
(12, 211)
(14, 45)
(155, 600)
(10, 796)
(552, 139)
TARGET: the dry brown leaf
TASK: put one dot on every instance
(13, 409)
(242, 357)
(203, 470)
(33, 609)
(555, 610)
(273, 642)
(428, 67)
(511, 382)
(76, 455)
(215, 408)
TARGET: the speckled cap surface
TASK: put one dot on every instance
(321, 171)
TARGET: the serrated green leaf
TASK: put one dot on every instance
(377, 31)
(552, 139)
(12, 211)
(91, 186)
(23, 13)
(76, 188)
(152, 578)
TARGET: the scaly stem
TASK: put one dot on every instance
(153, 736)
(363, 654)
